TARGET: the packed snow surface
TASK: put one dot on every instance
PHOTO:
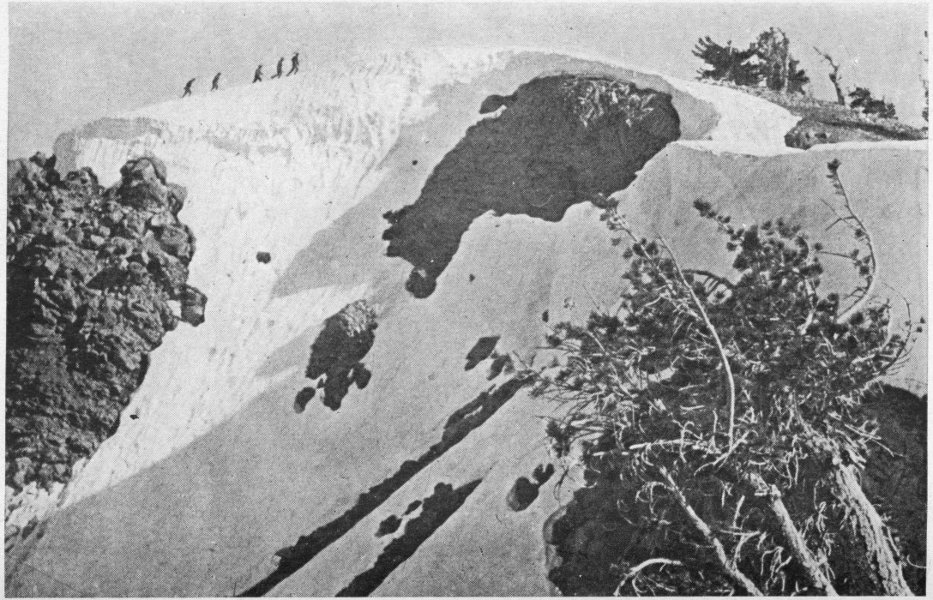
(195, 495)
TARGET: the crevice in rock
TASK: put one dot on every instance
(337, 353)
(436, 509)
(559, 141)
(458, 426)
(90, 276)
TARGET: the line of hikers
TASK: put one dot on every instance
(257, 76)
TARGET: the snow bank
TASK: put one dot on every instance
(218, 472)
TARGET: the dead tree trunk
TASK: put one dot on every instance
(797, 545)
(877, 565)
(834, 76)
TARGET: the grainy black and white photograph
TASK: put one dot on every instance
(447, 299)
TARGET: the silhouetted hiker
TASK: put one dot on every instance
(215, 84)
(258, 75)
(294, 65)
(187, 91)
(278, 69)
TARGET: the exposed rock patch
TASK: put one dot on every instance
(389, 525)
(480, 351)
(90, 273)
(824, 122)
(458, 426)
(336, 353)
(562, 141)
(495, 102)
(525, 491)
(436, 509)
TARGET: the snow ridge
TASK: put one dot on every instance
(268, 165)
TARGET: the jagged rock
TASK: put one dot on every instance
(336, 353)
(522, 494)
(176, 197)
(563, 140)
(89, 277)
(193, 303)
(495, 102)
(143, 184)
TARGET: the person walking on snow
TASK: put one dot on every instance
(215, 84)
(294, 65)
(278, 69)
(258, 75)
(187, 91)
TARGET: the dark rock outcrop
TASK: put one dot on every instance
(495, 102)
(90, 273)
(563, 140)
(824, 122)
(336, 353)
(480, 351)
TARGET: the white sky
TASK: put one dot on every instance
(72, 63)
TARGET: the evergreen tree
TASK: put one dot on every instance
(727, 63)
(861, 99)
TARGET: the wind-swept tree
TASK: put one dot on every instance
(729, 408)
(726, 63)
(766, 60)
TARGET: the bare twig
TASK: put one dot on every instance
(639, 567)
(730, 380)
(730, 568)
(861, 233)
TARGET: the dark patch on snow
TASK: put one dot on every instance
(543, 473)
(458, 426)
(480, 351)
(522, 494)
(500, 363)
(389, 525)
(337, 352)
(437, 508)
(525, 491)
(263, 257)
(302, 398)
(563, 141)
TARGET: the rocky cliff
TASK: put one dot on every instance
(92, 275)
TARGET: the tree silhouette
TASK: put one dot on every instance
(767, 60)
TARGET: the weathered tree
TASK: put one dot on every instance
(833, 76)
(727, 63)
(730, 408)
(778, 66)
(767, 60)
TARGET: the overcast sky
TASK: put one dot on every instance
(73, 63)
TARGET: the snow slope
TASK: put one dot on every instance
(217, 473)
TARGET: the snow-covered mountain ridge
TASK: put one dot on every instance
(303, 168)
